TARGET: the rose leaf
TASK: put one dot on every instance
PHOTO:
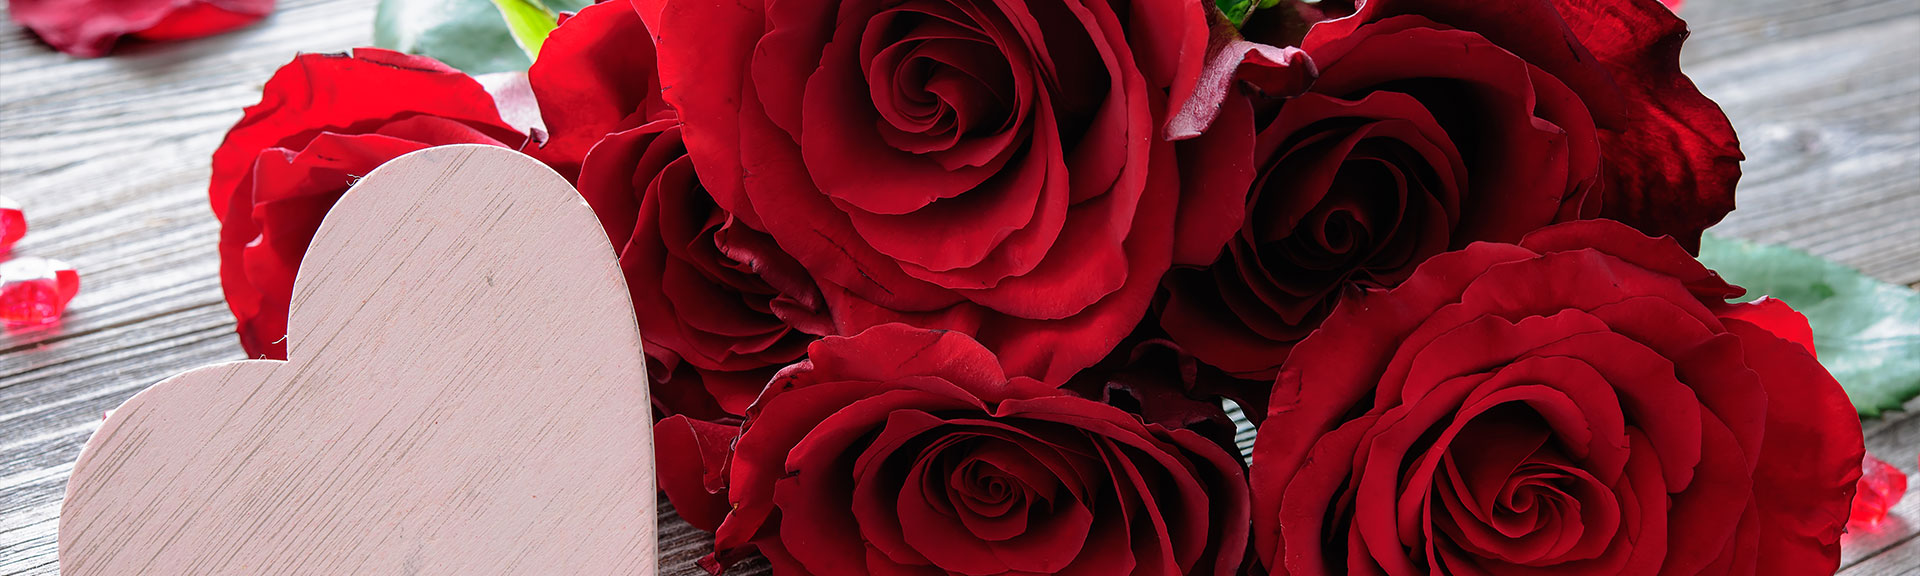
(529, 22)
(1237, 11)
(1866, 331)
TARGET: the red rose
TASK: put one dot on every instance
(1669, 158)
(1584, 402)
(1435, 124)
(89, 28)
(720, 306)
(990, 168)
(319, 125)
(910, 451)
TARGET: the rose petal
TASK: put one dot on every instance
(1808, 469)
(595, 76)
(692, 455)
(90, 29)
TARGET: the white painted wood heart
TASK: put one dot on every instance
(465, 395)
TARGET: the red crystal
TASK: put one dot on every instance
(35, 291)
(13, 223)
(1881, 486)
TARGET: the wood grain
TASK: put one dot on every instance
(457, 400)
(111, 158)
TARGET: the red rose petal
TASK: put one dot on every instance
(1213, 203)
(851, 163)
(90, 28)
(701, 75)
(1652, 252)
(693, 456)
(1773, 315)
(1172, 51)
(289, 106)
(1807, 472)
(595, 76)
(206, 18)
(1673, 161)
(780, 427)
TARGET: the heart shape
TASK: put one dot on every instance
(465, 394)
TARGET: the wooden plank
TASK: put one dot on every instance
(1830, 124)
(1724, 28)
(1901, 560)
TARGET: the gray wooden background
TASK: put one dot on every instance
(110, 158)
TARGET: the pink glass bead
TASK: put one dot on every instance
(1881, 486)
(13, 223)
(35, 291)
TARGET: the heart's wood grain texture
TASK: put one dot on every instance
(465, 395)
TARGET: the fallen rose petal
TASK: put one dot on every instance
(89, 28)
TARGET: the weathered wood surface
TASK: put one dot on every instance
(110, 157)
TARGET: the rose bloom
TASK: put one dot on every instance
(1433, 125)
(90, 28)
(323, 121)
(996, 169)
(910, 451)
(1584, 402)
(720, 306)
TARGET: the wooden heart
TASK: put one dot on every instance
(465, 394)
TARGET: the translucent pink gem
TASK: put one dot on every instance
(13, 223)
(1881, 486)
(35, 291)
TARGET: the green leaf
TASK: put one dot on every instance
(1237, 11)
(1867, 332)
(529, 22)
(472, 35)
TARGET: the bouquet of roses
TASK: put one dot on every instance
(970, 287)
